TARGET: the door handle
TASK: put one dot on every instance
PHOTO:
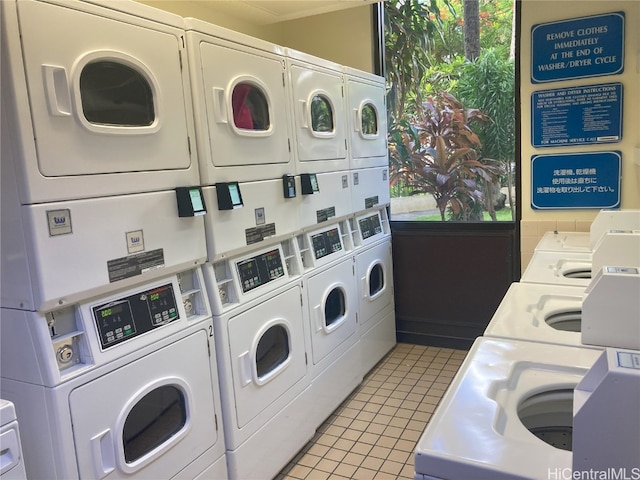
(103, 454)
(56, 87)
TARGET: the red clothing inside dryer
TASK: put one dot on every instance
(242, 116)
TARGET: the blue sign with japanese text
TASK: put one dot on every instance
(581, 115)
(576, 180)
(578, 48)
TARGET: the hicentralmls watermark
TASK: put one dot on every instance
(591, 474)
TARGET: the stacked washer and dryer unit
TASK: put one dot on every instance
(542, 380)
(275, 168)
(106, 328)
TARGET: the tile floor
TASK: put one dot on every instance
(372, 435)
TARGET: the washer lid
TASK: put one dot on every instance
(476, 433)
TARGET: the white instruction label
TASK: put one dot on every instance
(629, 360)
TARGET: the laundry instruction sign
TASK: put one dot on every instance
(576, 180)
(578, 48)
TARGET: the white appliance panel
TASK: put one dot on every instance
(55, 100)
(314, 80)
(99, 438)
(332, 201)
(377, 338)
(332, 308)
(366, 106)
(11, 460)
(252, 392)
(228, 152)
(374, 267)
(370, 188)
(76, 249)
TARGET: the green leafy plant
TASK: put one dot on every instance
(436, 153)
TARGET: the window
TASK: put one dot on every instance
(115, 94)
(376, 280)
(250, 108)
(334, 307)
(272, 351)
(369, 120)
(321, 114)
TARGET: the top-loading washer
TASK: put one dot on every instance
(331, 298)
(91, 108)
(508, 413)
(374, 276)
(11, 461)
(260, 322)
(614, 248)
(241, 104)
(318, 111)
(586, 241)
(118, 386)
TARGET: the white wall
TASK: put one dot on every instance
(536, 222)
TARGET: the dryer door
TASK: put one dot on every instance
(319, 113)
(332, 308)
(150, 418)
(103, 100)
(367, 116)
(375, 280)
(267, 353)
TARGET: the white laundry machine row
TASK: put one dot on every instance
(260, 324)
(91, 109)
(615, 248)
(241, 103)
(523, 410)
(374, 276)
(118, 386)
(586, 241)
(11, 458)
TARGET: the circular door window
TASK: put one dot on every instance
(376, 280)
(115, 94)
(272, 351)
(153, 420)
(335, 307)
(321, 114)
(250, 107)
(369, 120)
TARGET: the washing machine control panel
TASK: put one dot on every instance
(370, 226)
(128, 317)
(260, 270)
(327, 242)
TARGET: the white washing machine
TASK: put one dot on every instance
(260, 322)
(108, 114)
(118, 386)
(241, 103)
(331, 291)
(508, 414)
(11, 460)
(318, 111)
(615, 248)
(374, 276)
(586, 241)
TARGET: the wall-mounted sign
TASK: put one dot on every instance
(576, 180)
(577, 116)
(578, 48)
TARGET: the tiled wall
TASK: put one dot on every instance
(531, 231)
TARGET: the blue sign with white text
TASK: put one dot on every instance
(578, 48)
(581, 115)
(576, 180)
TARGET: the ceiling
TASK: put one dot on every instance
(265, 12)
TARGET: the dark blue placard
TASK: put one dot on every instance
(576, 180)
(583, 115)
(578, 48)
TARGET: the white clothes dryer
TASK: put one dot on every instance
(330, 285)
(508, 413)
(366, 119)
(318, 111)
(259, 323)
(586, 241)
(539, 313)
(91, 109)
(374, 275)
(11, 461)
(118, 386)
(241, 103)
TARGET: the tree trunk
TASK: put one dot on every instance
(471, 29)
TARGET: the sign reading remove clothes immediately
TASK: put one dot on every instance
(576, 180)
(578, 48)
(577, 116)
